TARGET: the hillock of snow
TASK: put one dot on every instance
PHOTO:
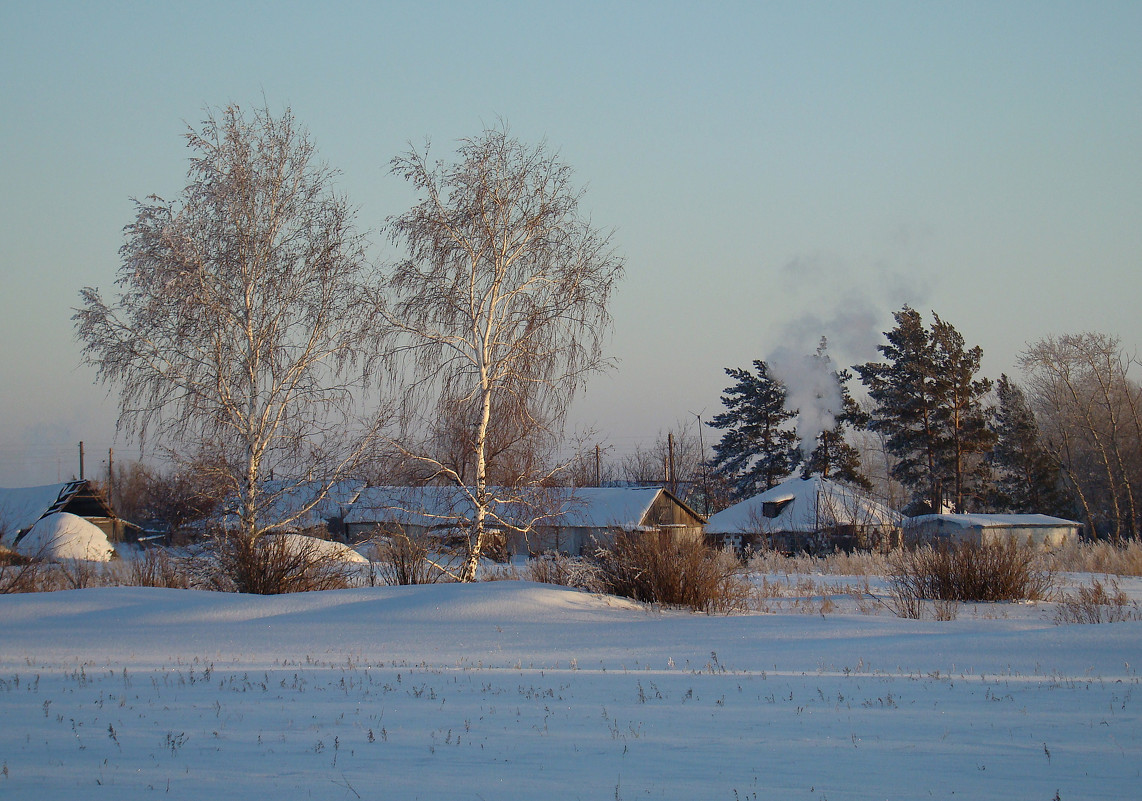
(323, 549)
(66, 536)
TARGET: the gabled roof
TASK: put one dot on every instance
(804, 505)
(586, 507)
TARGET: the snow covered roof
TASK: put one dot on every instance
(21, 507)
(994, 521)
(286, 502)
(589, 507)
(603, 507)
(421, 506)
(805, 505)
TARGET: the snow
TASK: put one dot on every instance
(513, 690)
(21, 507)
(595, 507)
(324, 549)
(66, 536)
(806, 511)
(977, 520)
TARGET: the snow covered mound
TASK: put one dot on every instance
(66, 536)
(299, 543)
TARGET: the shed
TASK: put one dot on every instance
(813, 514)
(22, 507)
(1042, 531)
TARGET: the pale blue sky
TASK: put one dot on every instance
(773, 171)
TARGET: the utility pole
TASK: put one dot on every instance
(670, 470)
(81, 460)
(111, 476)
(705, 468)
(598, 469)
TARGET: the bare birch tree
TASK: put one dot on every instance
(1088, 412)
(241, 327)
(499, 312)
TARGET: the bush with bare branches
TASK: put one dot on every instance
(656, 567)
(966, 572)
(399, 559)
(19, 573)
(273, 564)
(567, 571)
(157, 567)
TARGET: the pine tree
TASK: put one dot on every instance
(832, 455)
(1028, 479)
(759, 447)
(963, 415)
(929, 405)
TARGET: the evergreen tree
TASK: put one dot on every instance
(759, 447)
(832, 456)
(963, 416)
(929, 405)
(1028, 479)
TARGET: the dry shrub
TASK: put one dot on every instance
(156, 567)
(965, 572)
(398, 559)
(656, 567)
(567, 571)
(1098, 604)
(79, 574)
(272, 565)
(1100, 557)
(19, 573)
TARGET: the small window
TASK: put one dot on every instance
(772, 509)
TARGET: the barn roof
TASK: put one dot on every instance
(21, 507)
(803, 505)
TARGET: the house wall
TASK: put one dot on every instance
(665, 512)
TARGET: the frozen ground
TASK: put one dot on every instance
(510, 690)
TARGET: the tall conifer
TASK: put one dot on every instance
(759, 447)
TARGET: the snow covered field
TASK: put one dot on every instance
(511, 690)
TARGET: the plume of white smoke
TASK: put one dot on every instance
(811, 388)
(851, 315)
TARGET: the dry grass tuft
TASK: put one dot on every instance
(1098, 604)
(567, 571)
(1100, 557)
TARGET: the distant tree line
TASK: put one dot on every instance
(1068, 442)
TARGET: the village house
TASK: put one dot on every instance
(814, 514)
(536, 520)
